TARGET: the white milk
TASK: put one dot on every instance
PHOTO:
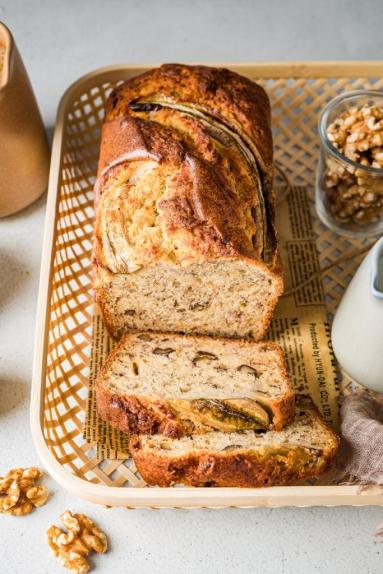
(357, 332)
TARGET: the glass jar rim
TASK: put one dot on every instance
(322, 124)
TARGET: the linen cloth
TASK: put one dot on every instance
(361, 453)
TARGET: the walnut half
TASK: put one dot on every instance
(19, 494)
(72, 547)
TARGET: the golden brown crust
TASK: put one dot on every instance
(236, 101)
(132, 413)
(220, 91)
(200, 202)
(246, 470)
(204, 199)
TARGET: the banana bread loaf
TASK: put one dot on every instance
(305, 448)
(178, 385)
(184, 235)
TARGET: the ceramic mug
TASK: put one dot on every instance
(357, 331)
(24, 150)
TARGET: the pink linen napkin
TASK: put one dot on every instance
(361, 455)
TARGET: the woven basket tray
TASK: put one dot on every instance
(298, 92)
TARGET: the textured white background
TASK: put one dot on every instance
(60, 41)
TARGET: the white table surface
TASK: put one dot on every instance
(60, 41)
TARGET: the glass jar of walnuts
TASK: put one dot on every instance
(349, 186)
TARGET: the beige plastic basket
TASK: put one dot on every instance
(298, 91)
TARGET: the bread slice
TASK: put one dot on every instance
(185, 238)
(304, 449)
(177, 385)
(228, 298)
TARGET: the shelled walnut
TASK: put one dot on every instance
(18, 492)
(353, 194)
(72, 547)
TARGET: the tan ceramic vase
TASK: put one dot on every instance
(24, 150)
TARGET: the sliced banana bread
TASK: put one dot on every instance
(177, 385)
(184, 232)
(305, 448)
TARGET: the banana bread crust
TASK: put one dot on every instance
(201, 205)
(125, 136)
(232, 96)
(246, 470)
